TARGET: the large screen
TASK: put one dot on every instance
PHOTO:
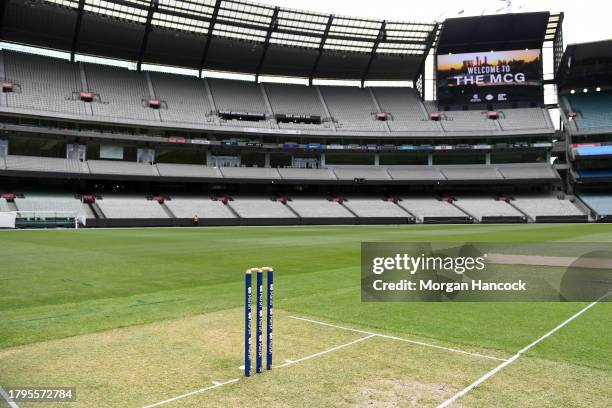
(490, 77)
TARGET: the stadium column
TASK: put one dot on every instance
(259, 323)
(269, 317)
(247, 322)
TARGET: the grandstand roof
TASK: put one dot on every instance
(223, 35)
(586, 64)
(497, 32)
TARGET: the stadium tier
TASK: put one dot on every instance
(487, 210)
(545, 208)
(269, 150)
(599, 204)
(337, 173)
(592, 109)
(53, 86)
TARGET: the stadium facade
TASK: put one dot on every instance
(135, 147)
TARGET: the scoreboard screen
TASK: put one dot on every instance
(489, 77)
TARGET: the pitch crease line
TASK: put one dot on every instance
(8, 399)
(299, 360)
(385, 336)
(217, 385)
(500, 367)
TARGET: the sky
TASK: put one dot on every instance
(585, 20)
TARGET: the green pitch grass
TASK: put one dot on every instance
(131, 317)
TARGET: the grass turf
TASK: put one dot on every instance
(60, 284)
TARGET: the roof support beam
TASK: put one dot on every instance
(382, 35)
(77, 29)
(209, 36)
(313, 71)
(271, 28)
(153, 5)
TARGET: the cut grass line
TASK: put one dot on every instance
(500, 367)
(216, 385)
(291, 362)
(8, 399)
(386, 336)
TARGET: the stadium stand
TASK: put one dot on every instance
(237, 96)
(548, 208)
(318, 207)
(594, 110)
(431, 210)
(486, 209)
(407, 112)
(352, 108)
(524, 119)
(368, 207)
(45, 164)
(187, 170)
(123, 93)
(526, 171)
(185, 97)
(4, 205)
(351, 172)
(294, 99)
(250, 172)
(466, 121)
(306, 174)
(599, 203)
(122, 168)
(415, 173)
(52, 84)
(44, 83)
(259, 207)
(50, 203)
(130, 207)
(475, 172)
(202, 207)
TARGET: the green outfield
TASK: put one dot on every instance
(132, 317)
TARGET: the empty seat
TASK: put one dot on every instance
(252, 207)
(123, 93)
(250, 172)
(203, 207)
(121, 167)
(546, 205)
(375, 208)
(306, 174)
(186, 98)
(404, 105)
(319, 208)
(353, 108)
(480, 207)
(360, 172)
(425, 207)
(122, 207)
(237, 96)
(45, 83)
(187, 170)
(45, 164)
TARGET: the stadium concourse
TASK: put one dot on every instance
(111, 146)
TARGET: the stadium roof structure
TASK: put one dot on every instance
(500, 32)
(223, 35)
(586, 64)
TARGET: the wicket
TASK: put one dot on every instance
(259, 319)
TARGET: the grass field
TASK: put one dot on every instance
(135, 316)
